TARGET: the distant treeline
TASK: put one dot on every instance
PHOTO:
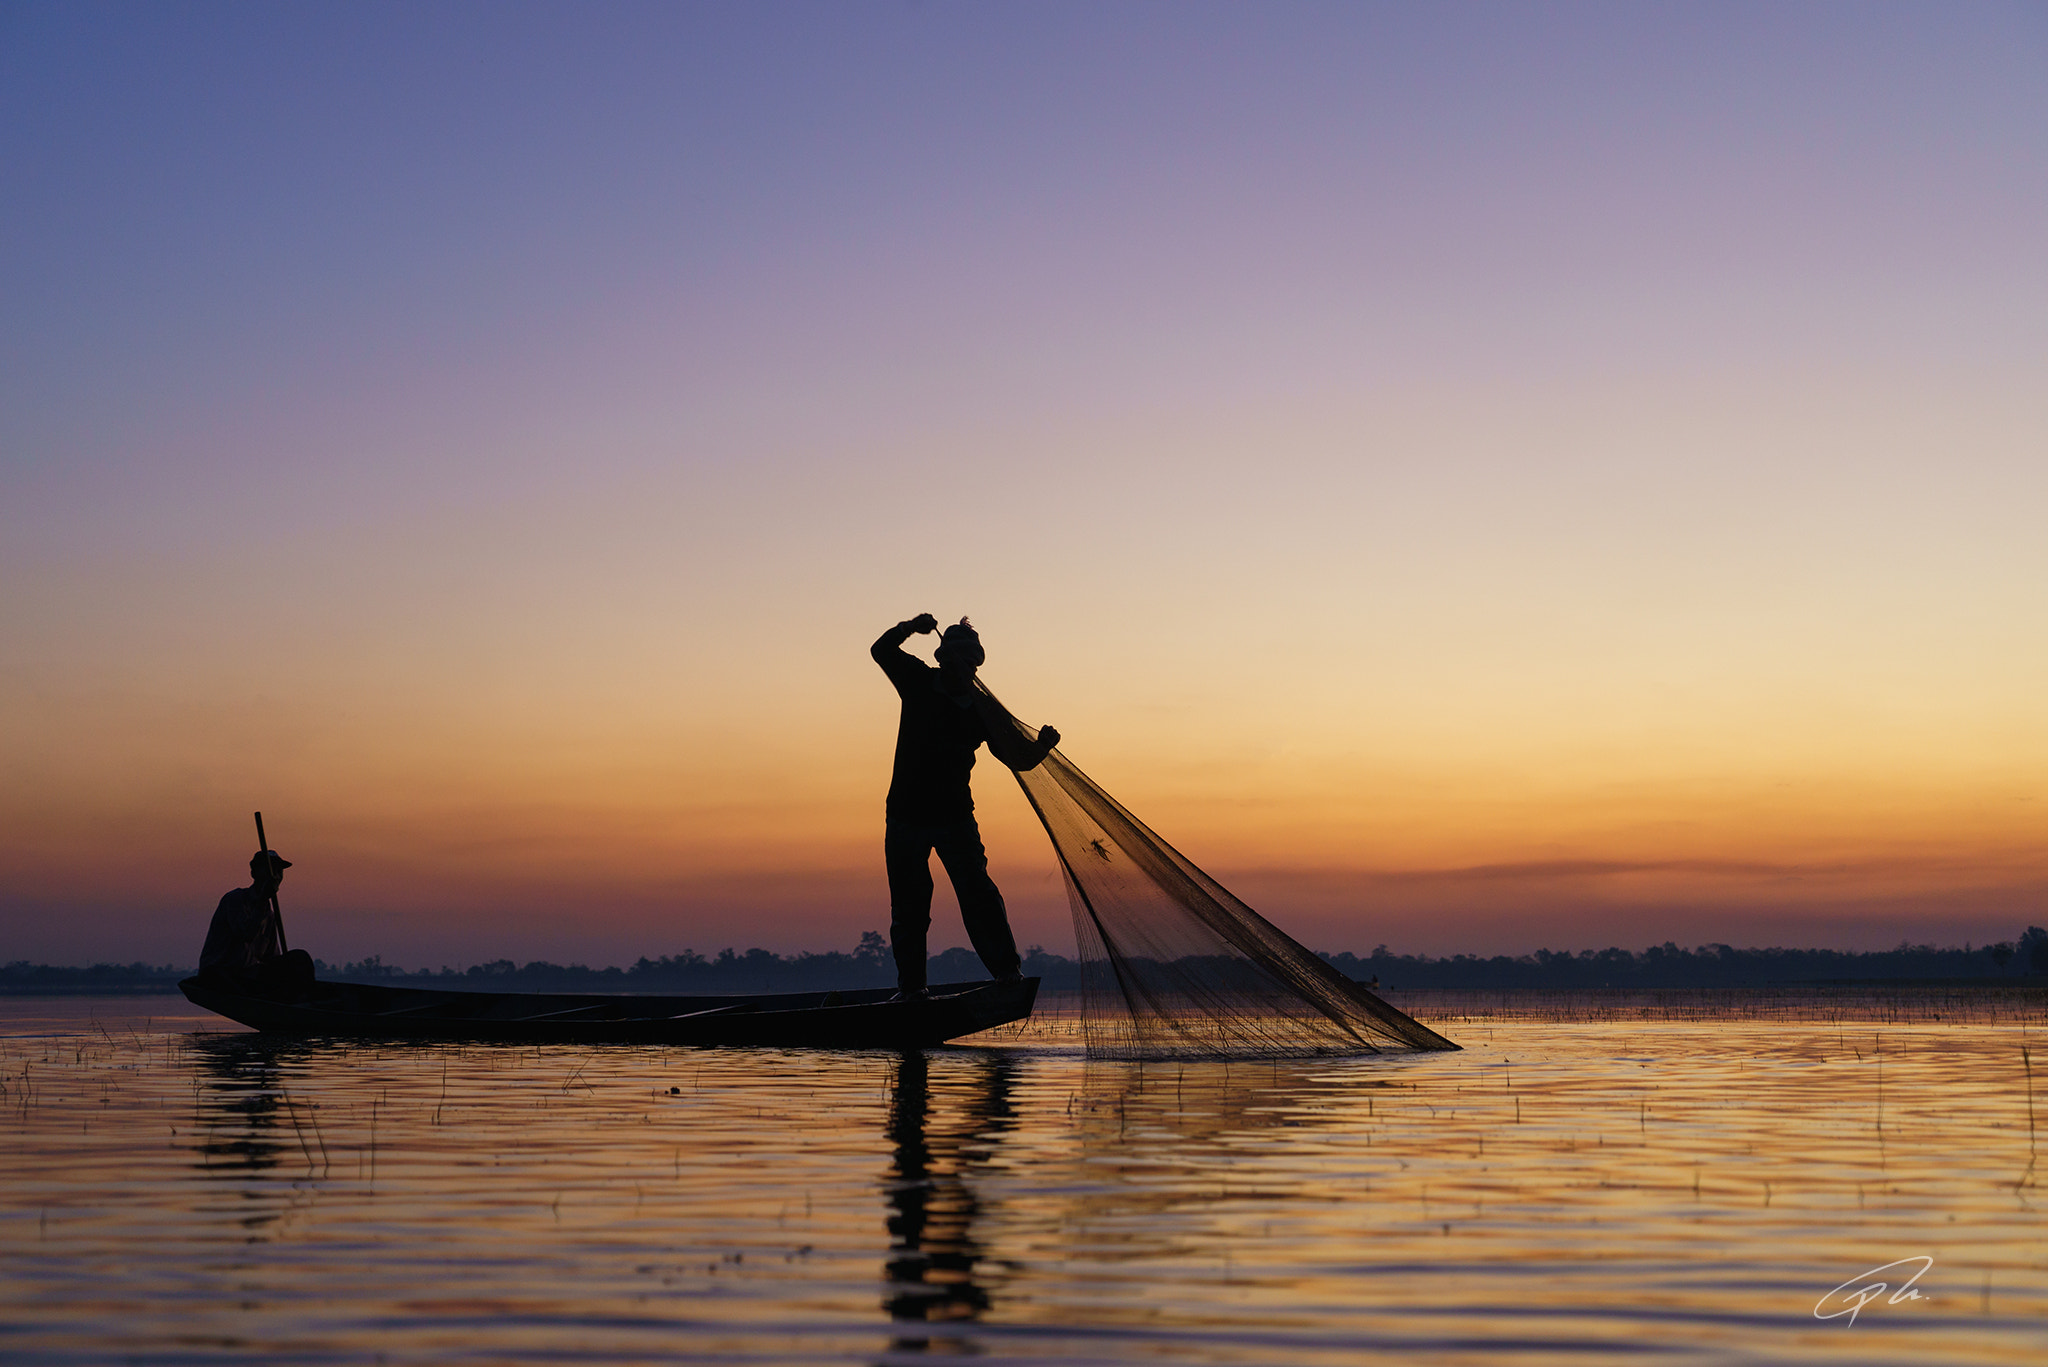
(870, 965)
(1667, 965)
(24, 979)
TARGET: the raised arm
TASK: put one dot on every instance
(888, 648)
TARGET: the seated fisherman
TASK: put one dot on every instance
(245, 944)
(931, 807)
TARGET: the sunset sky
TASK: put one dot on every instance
(1474, 477)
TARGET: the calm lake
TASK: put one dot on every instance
(1575, 1186)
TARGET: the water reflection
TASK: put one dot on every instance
(241, 1085)
(251, 1133)
(1175, 1159)
(935, 1272)
(1627, 1193)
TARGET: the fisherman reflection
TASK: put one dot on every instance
(241, 1119)
(933, 1254)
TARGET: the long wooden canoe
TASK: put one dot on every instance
(815, 1020)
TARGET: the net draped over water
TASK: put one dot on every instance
(1173, 965)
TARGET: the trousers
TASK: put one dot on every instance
(908, 848)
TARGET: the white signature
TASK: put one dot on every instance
(1851, 1296)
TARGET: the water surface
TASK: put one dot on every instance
(1564, 1190)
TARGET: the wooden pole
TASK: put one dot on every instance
(276, 916)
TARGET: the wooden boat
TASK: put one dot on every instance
(809, 1020)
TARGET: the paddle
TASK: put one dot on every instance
(276, 916)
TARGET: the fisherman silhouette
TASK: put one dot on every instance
(244, 945)
(931, 807)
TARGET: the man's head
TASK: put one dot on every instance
(267, 868)
(960, 653)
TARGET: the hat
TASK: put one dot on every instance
(276, 860)
(963, 640)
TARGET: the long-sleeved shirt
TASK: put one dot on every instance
(937, 737)
(243, 933)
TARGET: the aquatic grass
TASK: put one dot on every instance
(2027, 1062)
(293, 1112)
(1091, 1194)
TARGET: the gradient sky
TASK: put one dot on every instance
(1475, 477)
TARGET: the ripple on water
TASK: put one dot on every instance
(1565, 1190)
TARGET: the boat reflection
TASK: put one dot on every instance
(937, 1269)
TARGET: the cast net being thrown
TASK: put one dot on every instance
(1173, 965)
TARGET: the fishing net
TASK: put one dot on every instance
(1173, 965)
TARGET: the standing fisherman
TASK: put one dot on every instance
(931, 807)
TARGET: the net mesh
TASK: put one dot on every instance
(1173, 965)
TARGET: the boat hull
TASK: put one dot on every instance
(808, 1020)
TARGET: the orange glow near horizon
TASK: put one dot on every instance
(480, 833)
